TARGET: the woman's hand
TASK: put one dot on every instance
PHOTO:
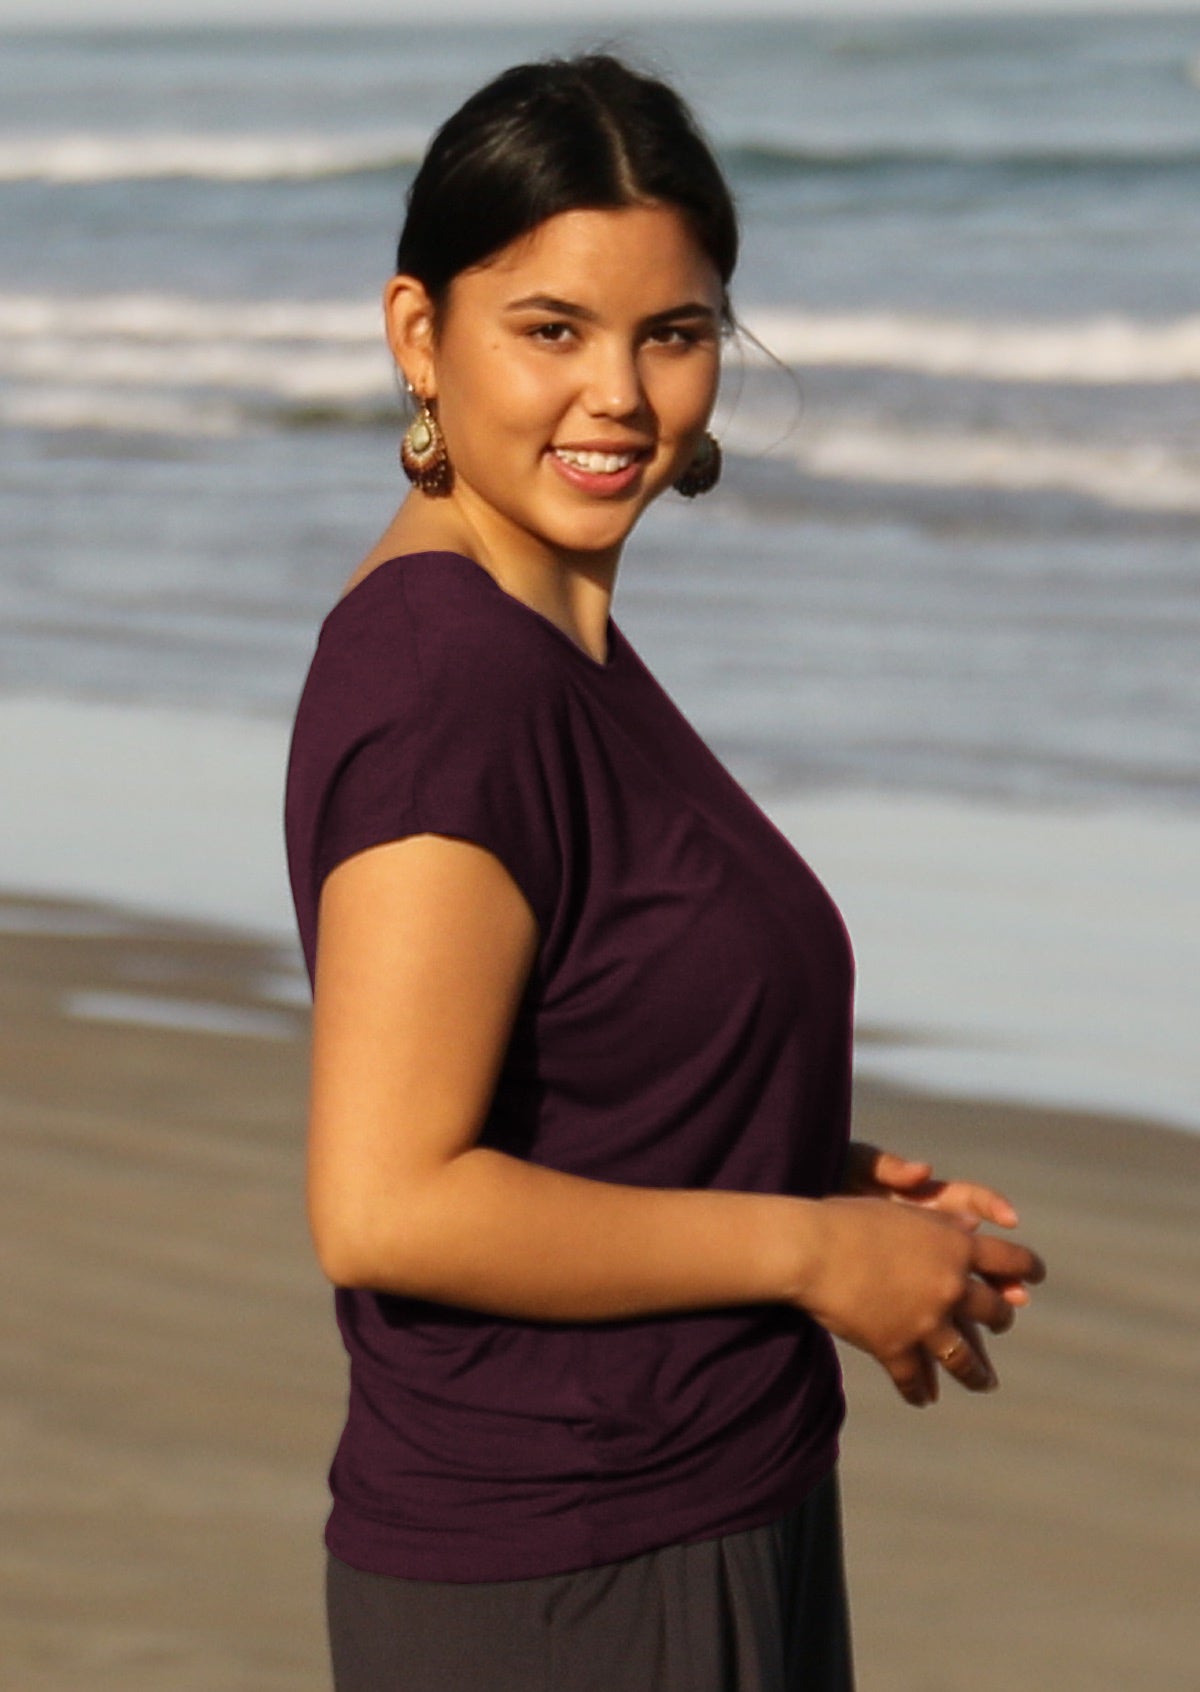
(873, 1173)
(913, 1285)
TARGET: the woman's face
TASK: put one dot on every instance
(574, 374)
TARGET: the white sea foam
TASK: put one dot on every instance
(174, 318)
(1038, 955)
(1093, 350)
(1139, 477)
(68, 406)
(75, 363)
(96, 158)
(290, 372)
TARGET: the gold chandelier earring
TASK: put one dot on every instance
(704, 471)
(423, 454)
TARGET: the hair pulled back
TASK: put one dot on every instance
(562, 135)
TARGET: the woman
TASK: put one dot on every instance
(582, 1017)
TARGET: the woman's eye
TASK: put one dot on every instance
(554, 334)
(673, 335)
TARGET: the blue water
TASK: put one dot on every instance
(956, 554)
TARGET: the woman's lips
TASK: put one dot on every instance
(599, 471)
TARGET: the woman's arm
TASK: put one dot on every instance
(424, 950)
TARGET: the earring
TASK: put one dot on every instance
(704, 472)
(423, 454)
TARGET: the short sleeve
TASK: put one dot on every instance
(409, 727)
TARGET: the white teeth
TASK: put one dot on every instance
(596, 463)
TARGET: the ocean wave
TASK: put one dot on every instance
(219, 341)
(181, 317)
(1033, 159)
(66, 409)
(326, 355)
(1131, 478)
(95, 158)
(1093, 350)
(334, 379)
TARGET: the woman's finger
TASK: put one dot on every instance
(1012, 1292)
(901, 1174)
(984, 1202)
(869, 1169)
(960, 1352)
(1003, 1261)
(914, 1376)
(930, 1371)
(966, 1198)
(986, 1306)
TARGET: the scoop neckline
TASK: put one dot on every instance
(612, 634)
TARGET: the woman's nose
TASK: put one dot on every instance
(614, 383)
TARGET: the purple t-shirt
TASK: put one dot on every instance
(687, 1024)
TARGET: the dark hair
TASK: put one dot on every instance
(563, 135)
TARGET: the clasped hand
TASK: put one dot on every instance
(911, 1280)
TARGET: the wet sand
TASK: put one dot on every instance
(172, 1381)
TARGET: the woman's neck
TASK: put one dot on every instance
(571, 590)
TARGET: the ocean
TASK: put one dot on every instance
(952, 570)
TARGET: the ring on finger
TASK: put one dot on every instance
(950, 1352)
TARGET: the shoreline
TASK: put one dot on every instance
(173, 1381)
(1017, 951)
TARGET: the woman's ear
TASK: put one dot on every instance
(409, 317)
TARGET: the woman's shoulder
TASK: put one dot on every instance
(424, 712)
(431, 631)
(426, 591)
(443, 604)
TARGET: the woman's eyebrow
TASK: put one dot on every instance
(568, 308)
(690, 309)
(556, 307)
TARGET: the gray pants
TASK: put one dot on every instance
(760, 1611)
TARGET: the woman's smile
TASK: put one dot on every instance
(603, 470)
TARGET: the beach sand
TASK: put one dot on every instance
(172, 1381)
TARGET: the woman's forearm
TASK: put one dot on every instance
(492, 1232)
